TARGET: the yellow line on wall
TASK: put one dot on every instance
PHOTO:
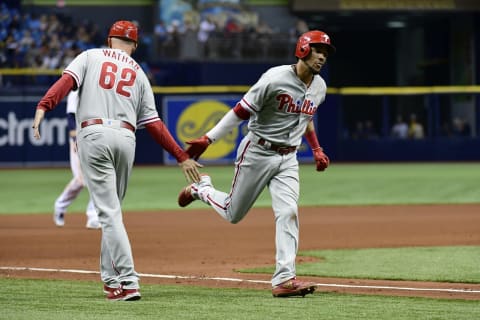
(200, 89)
(380, 91)
(406, 90)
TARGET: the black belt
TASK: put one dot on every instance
(283, 150)
(90, 122)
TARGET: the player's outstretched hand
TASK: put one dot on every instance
(198, 146)
(190, 170)
(321, 159)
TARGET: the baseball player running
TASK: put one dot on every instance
(76, 184)
(115, 98)
(279, 109)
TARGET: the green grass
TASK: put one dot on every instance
(156, 188)
(438, 264)
(383, 184)
(54, 300)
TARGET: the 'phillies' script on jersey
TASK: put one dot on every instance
(286, 102)
(121, 57)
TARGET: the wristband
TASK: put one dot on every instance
(312, 140)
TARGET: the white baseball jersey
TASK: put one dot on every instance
(72, 101)
(281, 106)
(112, 71)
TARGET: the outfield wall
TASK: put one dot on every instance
(190, 111)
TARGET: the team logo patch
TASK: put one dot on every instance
(289, 105)
(197, 119)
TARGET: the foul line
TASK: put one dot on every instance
(166, 276)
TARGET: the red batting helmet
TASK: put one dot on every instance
(315, 36)
(125, 30)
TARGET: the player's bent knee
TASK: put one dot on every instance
(235, 221)
(78, 184)
(235, 218)
(287, 214)
(80, 180)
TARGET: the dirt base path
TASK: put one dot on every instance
(200, 245)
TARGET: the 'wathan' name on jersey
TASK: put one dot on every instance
(121, 57)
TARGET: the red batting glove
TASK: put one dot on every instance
(198, 146)
(321, 159)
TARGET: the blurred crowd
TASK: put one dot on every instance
(47, 41)
(50, 40)
(411, 129)
(238, 34)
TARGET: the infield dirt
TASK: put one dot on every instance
(201, 244)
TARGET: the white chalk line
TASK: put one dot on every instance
(166, 276)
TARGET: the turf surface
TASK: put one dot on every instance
(156, 188)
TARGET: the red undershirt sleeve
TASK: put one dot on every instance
(312, 139)
(241, 112)
(56, 93)
(162, 136)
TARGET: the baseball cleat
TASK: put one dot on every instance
(185, 197)
(293, 287)
(107, 289)
(120, 294)
(93, 224)
(190, 193)
(59, 218)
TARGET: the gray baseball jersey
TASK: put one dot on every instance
(280, 107)
(112, 87)
(113, 79)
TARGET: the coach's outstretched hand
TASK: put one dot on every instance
(190, 170)
(321, 159)
(198, 146)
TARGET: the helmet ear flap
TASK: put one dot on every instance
(302, 50)
(305, 50)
